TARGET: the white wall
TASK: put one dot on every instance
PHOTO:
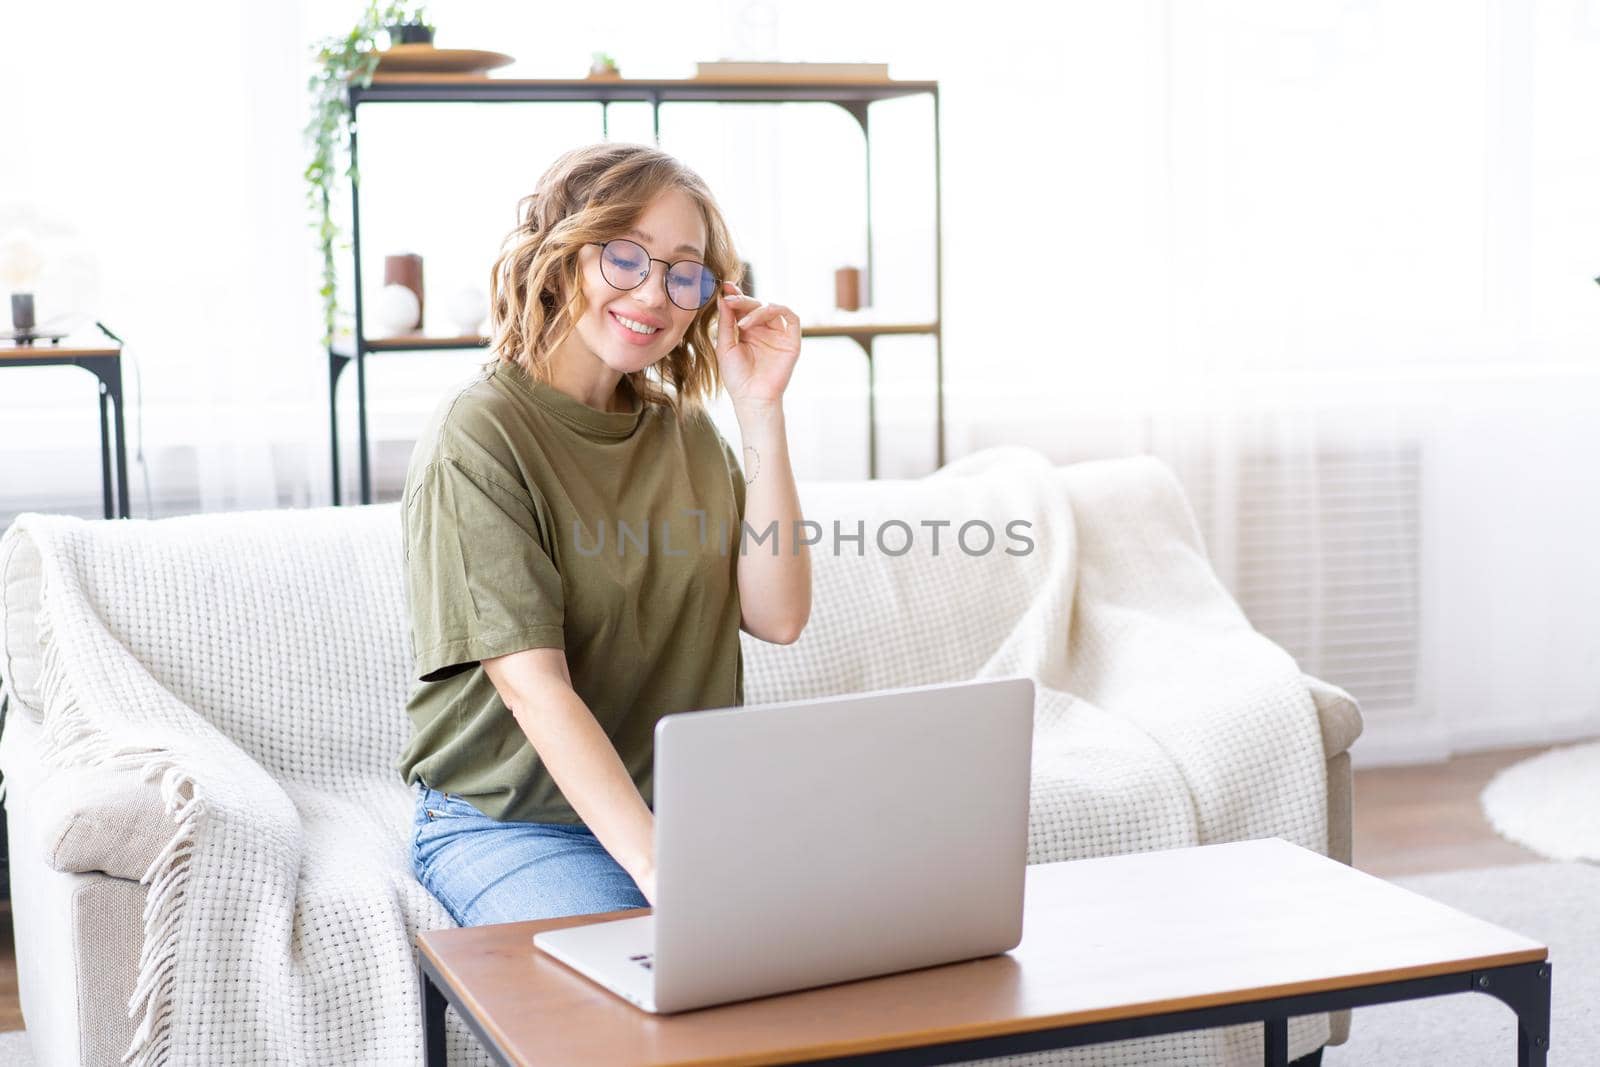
(1383, 212)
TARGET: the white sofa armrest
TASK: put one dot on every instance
(93, 819)
(1337, 714)
(20, 654)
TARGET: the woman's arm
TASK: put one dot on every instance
(774, 576)
(757, 347)
(537, 687)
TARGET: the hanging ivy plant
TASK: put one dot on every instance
(341, 62)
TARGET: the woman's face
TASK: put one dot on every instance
(630, 330)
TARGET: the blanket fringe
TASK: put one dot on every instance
(70, 738)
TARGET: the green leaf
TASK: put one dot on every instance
(341, 61)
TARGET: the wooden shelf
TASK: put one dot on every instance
(417, 87)
(432, 343)
(65, 350)
(869, 329)
(853, 94)
(410, 342)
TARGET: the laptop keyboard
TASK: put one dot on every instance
(645, 959)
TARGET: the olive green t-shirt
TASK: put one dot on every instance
(533, 520)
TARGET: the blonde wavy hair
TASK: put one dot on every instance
(595, 193)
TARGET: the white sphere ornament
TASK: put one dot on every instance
(397, 310)
(466, 309)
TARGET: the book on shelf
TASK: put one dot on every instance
(725, 70)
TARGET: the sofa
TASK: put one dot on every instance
(215, 701)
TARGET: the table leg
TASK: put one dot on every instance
(336, 364)
(362, 449)
(1533, 1020)
(432, 1020)
(1277, 1043)
(105, 449)
(122, 445)
(872, 411)
(1525, 989)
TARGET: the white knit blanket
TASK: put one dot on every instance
(258, 663)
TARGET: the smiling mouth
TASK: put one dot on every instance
(634, 326)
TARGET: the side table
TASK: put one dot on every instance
(106, 365)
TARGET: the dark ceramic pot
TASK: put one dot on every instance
(410, 33)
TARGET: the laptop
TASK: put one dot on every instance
(810, 842)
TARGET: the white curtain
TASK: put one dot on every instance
(1330, 259)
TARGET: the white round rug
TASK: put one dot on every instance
(1550, 802)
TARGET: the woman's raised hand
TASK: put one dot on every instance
(757, 346)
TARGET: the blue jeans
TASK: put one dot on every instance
(486, 871)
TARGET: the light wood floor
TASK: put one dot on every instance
(1415, 820)
(1408, 820)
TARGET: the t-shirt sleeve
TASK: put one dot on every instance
(479, 577)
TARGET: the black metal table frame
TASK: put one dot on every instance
(108, 371)
(852, 97)
(1523, 987)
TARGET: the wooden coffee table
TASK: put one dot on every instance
(1113, 948)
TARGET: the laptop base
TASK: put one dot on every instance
(617, 955)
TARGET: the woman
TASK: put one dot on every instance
(573, 523)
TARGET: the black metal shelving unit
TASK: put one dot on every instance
(855, 97)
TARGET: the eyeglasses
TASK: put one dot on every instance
(625, 265)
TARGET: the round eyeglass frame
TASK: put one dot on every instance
(717, 282)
